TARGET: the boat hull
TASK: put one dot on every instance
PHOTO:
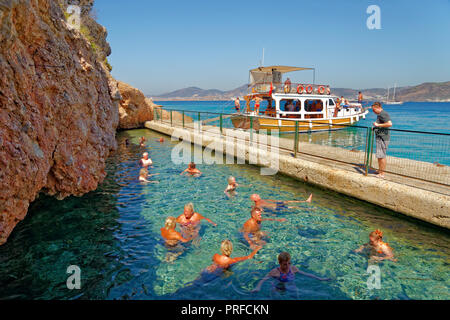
(243, 122)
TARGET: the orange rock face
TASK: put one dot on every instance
(134, 107)
(58, 109)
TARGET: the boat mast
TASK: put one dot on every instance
(393, 98)
(387, 98)
(262, 61)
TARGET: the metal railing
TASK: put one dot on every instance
(423, 156)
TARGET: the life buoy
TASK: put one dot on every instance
(300, 89)
(309, 89)
(321, 90)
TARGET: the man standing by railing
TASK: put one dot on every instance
(382, 136)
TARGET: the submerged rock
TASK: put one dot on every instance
(58, 107)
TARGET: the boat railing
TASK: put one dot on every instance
(293, 88)
(416, 155)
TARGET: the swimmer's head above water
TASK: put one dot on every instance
(375, 236)
(256, 213)
(192, 165)
(226, 247)
(170, 223)
(231, 180)
(255, 197)
(145, 155)
(284, 259)
(188, 210)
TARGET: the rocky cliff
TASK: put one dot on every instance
(134, 107)
(58, 106)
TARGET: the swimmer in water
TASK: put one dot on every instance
(142, 141)
(190, 220)
(285, 272)
(192, 170)
(161, 140)
(143, 175)
(276, 204)
(252, 228)
(230, 190)
(376, 248)
(224, 261)
(171, 236)
(146, 161)
(172, 239)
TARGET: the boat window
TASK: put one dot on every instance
(331, 102)
(313, 105)
(269, 107)
(290, 105)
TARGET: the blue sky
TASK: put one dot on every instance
(161, 46)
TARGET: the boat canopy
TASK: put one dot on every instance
(271, 74)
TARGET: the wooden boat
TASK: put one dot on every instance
(311, 105)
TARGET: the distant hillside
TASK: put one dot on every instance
(430, 91)
(434, 91)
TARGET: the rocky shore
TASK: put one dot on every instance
(59, 105)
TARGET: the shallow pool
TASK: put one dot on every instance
(113, 235)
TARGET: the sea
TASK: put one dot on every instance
(111, 236)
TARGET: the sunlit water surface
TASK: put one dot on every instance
(113, 235)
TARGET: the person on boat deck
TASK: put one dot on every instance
(237, 104)
(192, 170)
(315, 107)
(190, 220)
(376, 248)
(382, 136)
(276, 204)
(328, 90)
(287, 85)
(285, 272)
(258, 101)
(252, 228)
(146, 161)
(360, 97)
(289, 106)
(270, 110)
(338, 107)
(143, 175)
(224, 261)
(171, 236)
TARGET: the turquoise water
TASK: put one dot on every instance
(113, 235)
(416, 116)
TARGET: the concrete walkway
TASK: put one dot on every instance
(426, 201)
